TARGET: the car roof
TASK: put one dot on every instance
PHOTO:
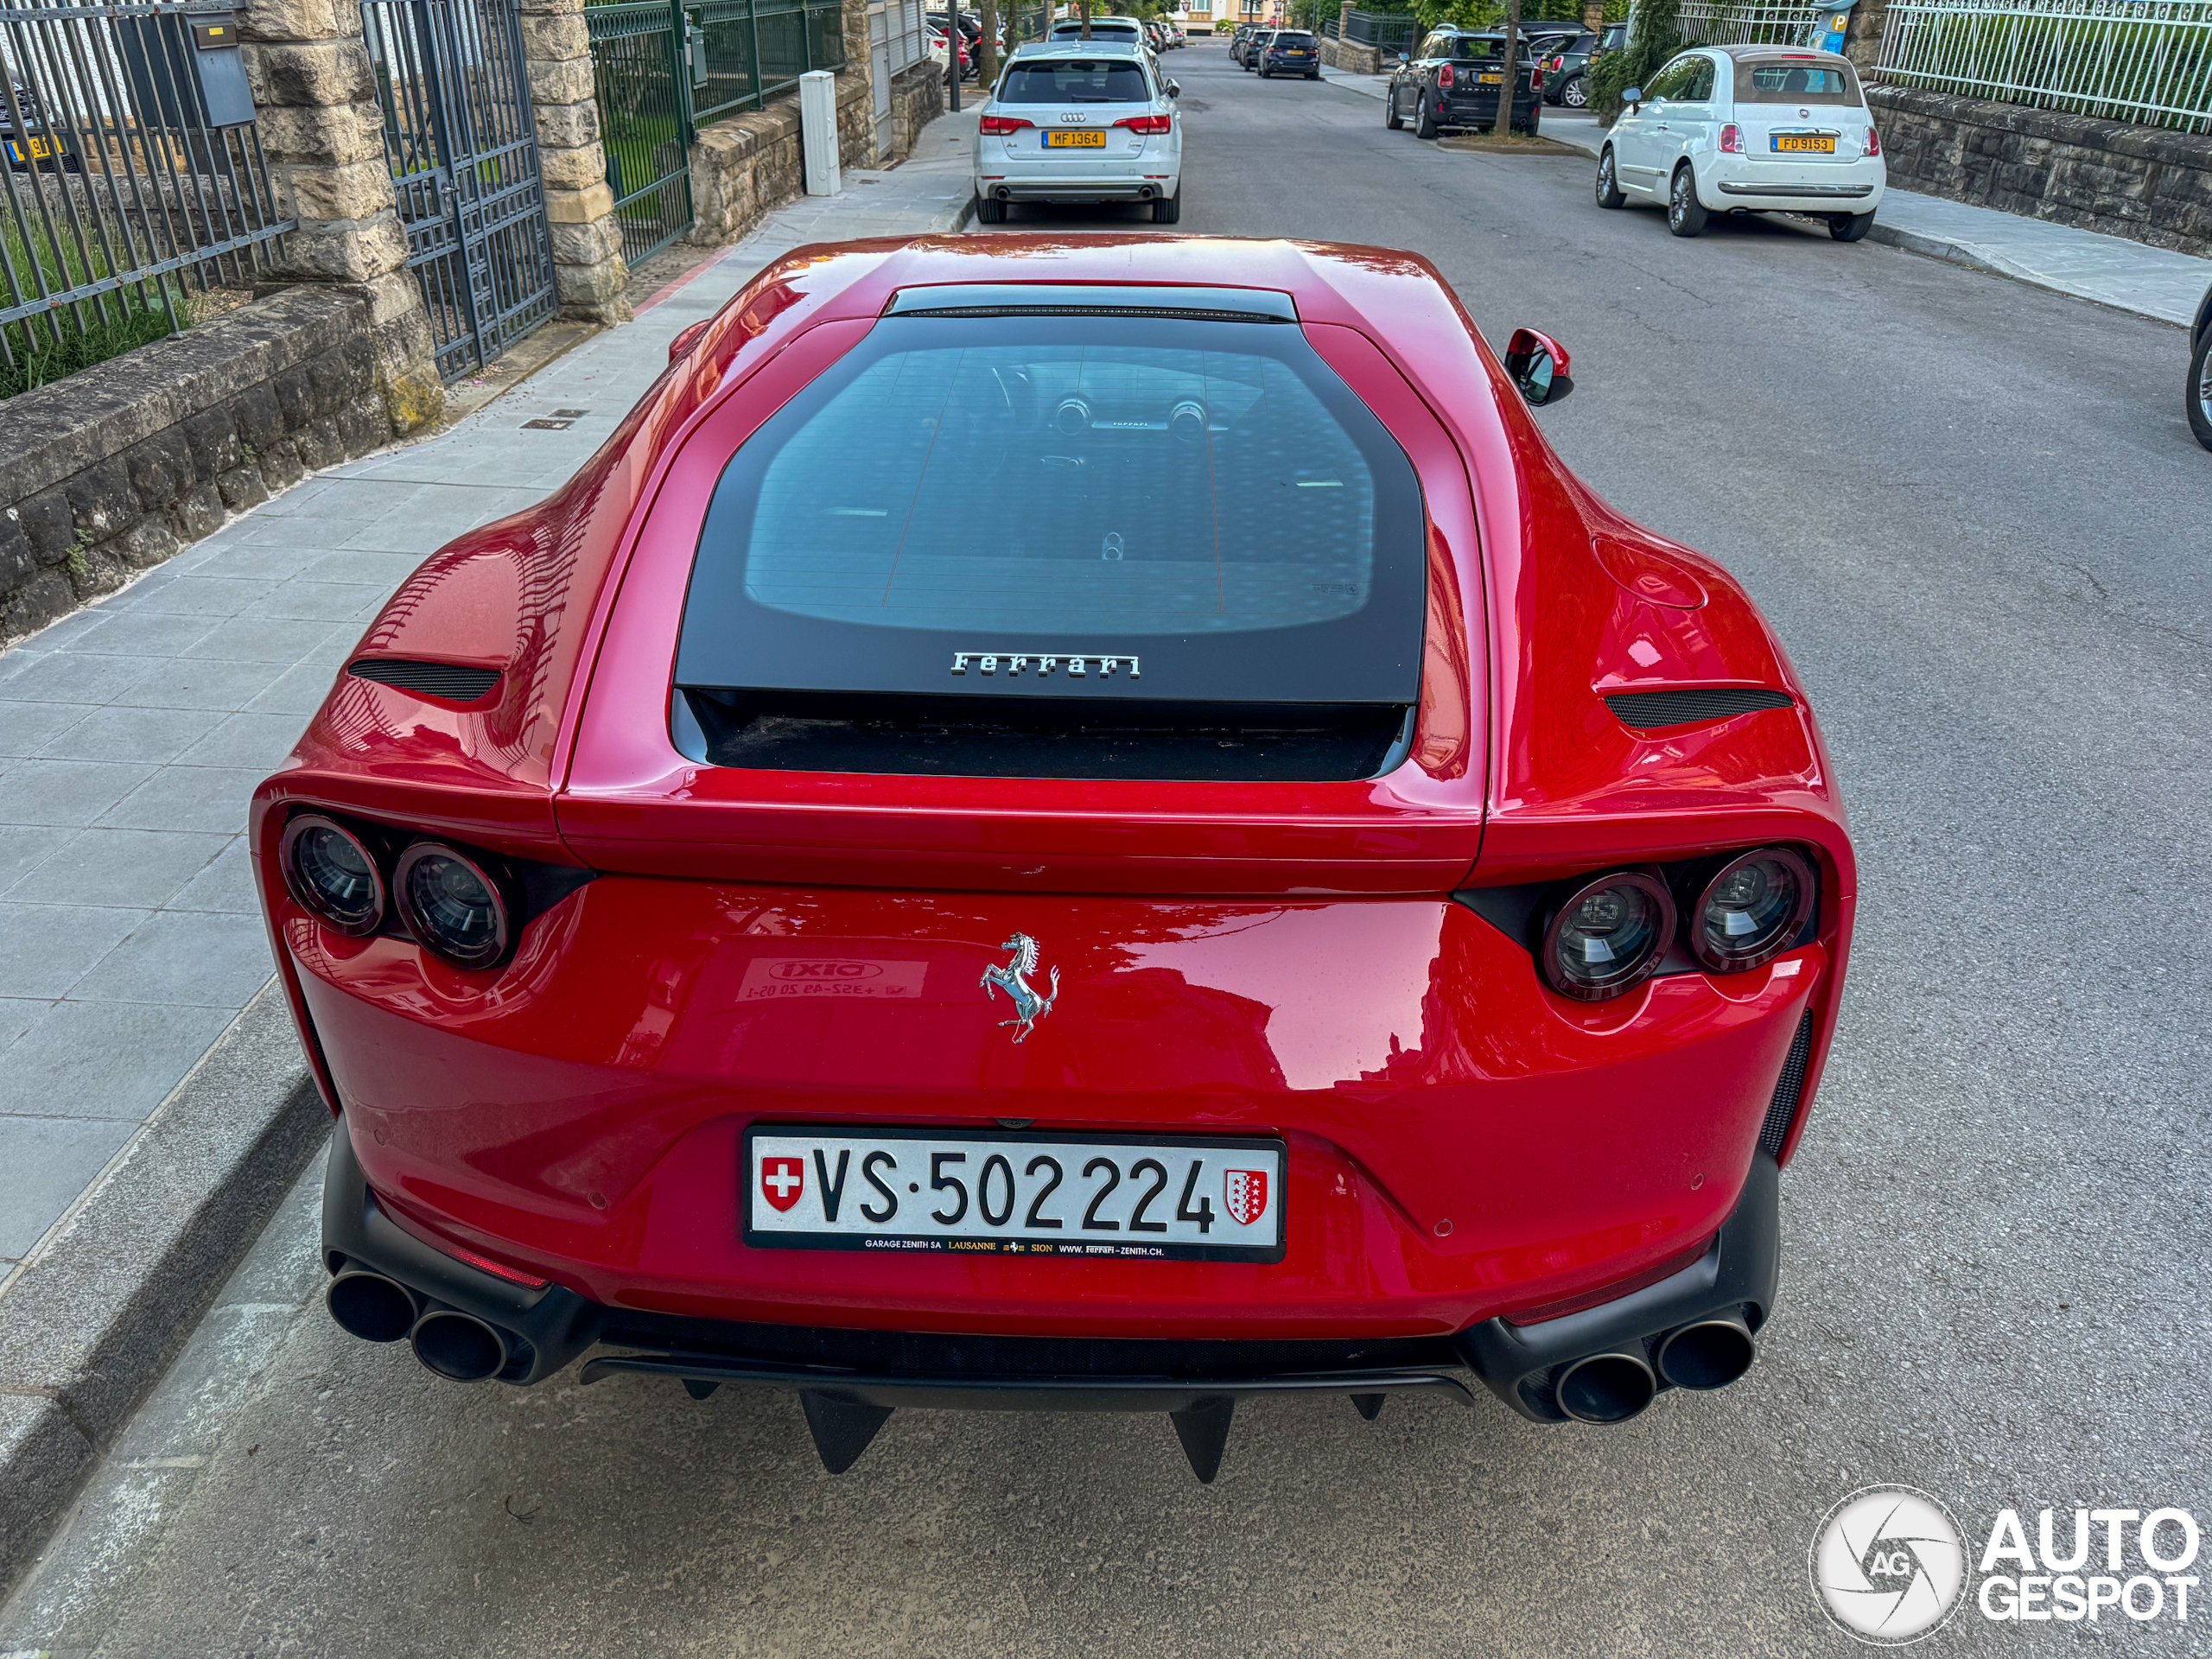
(1779, 54)
(1090, 49)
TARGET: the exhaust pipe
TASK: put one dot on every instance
(1710, 1354)
(1608, 1388)
(458, 1346)
(1004, 195)
(370, 1306)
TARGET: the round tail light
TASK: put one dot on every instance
(1751, 909)
(452, 904)
(1608, 936)
(332, 873)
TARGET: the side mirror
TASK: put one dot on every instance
(1174, 91)
(1403, 59)
(1537, 364)
(685, 341)
(1632, 97)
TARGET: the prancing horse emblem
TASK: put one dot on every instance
(1028, 1007)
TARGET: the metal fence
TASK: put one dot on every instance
(121, 185)
(747, 51)
(2148, 61)
(1748, 22)
(1391, 31)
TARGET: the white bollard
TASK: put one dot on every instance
(817, 131)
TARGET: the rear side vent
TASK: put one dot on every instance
(1646, 710)
(449, 681)
(1788, 1089)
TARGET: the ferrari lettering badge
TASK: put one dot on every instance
(782, 1181)
(991, 661)
(1245, 1192)
(1029, 1007)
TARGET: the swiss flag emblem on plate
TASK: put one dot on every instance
(782, 1181)
(1245, 1192)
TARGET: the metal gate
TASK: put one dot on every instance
(463, 149)
(639, 53)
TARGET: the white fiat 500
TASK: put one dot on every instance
(1092, 121)
(1748, 129)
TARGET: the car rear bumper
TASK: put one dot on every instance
(545, 1329)
(1136, 189)
(1461, 1143)
(1843, 187)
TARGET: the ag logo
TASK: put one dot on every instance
(1888, 1564)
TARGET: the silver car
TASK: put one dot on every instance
(1080, 122)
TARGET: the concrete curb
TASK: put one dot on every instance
(89, 1325)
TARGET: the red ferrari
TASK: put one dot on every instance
(1068, 823)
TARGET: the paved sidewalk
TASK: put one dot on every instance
(132, 732)
(2108, 269)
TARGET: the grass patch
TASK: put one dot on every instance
(59, 344)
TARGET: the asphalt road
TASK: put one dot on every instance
(1975, 513)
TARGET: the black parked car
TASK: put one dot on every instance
(1241, 42)
(40, 145)
(1454, 82)
(1256, 45)
(1291, 52)
(1566, 71)
(2200, 373)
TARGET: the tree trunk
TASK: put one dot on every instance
(1510, 82)
(988, 68)
(1086, 18)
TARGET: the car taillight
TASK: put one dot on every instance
(1444, 79)
(452, 905)
(1608, 935)
(1749, 910)
(1004, 123)
(1556, 65)
(1873, 140)
(1732, 139)
(1147, 123)
(332, 873)
(1537, 79)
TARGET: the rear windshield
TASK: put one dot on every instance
(1286, 38)
(1075, 80)
(1205, 500)
(1475, 46)
(1782, 80)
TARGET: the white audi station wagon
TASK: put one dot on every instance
(1080, 122)
(1748, 129)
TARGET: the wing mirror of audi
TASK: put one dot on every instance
(1538, 365)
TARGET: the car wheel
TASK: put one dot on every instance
(1608, 188)
(1391, 118)
(1425, 120)
(1850, 227)
(990, 210)
(1313, 75)
(1166, 210)
(1686, 214)
(2200, 389)
(1575, 94)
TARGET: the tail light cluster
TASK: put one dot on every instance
(1873, 140)
(1146, 124)
(1598, 937)
(1003, 124)
(464, 905)
(1444, 79)
(1732, 139)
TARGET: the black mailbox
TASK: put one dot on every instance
(186, 69)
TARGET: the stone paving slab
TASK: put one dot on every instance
(131, 736)
(2109, 270)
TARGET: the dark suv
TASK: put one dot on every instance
(1291, 52)
(1453, 82)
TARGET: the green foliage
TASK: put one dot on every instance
(1468, 14)
(47, 348)
(1654, 36)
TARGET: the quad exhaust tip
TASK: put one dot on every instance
(1710, 1354)
(458, 1346)
(1607, 1387)
(370, 1306)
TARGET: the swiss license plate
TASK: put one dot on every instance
(1075, 141)
(1817, 143)
(1164, 1198)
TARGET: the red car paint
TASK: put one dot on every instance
(1234, 957)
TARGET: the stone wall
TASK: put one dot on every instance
(587, 270)
(917, 99)
(1353, 58)
(119, 467)
(2147, 183)
(744, 167)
